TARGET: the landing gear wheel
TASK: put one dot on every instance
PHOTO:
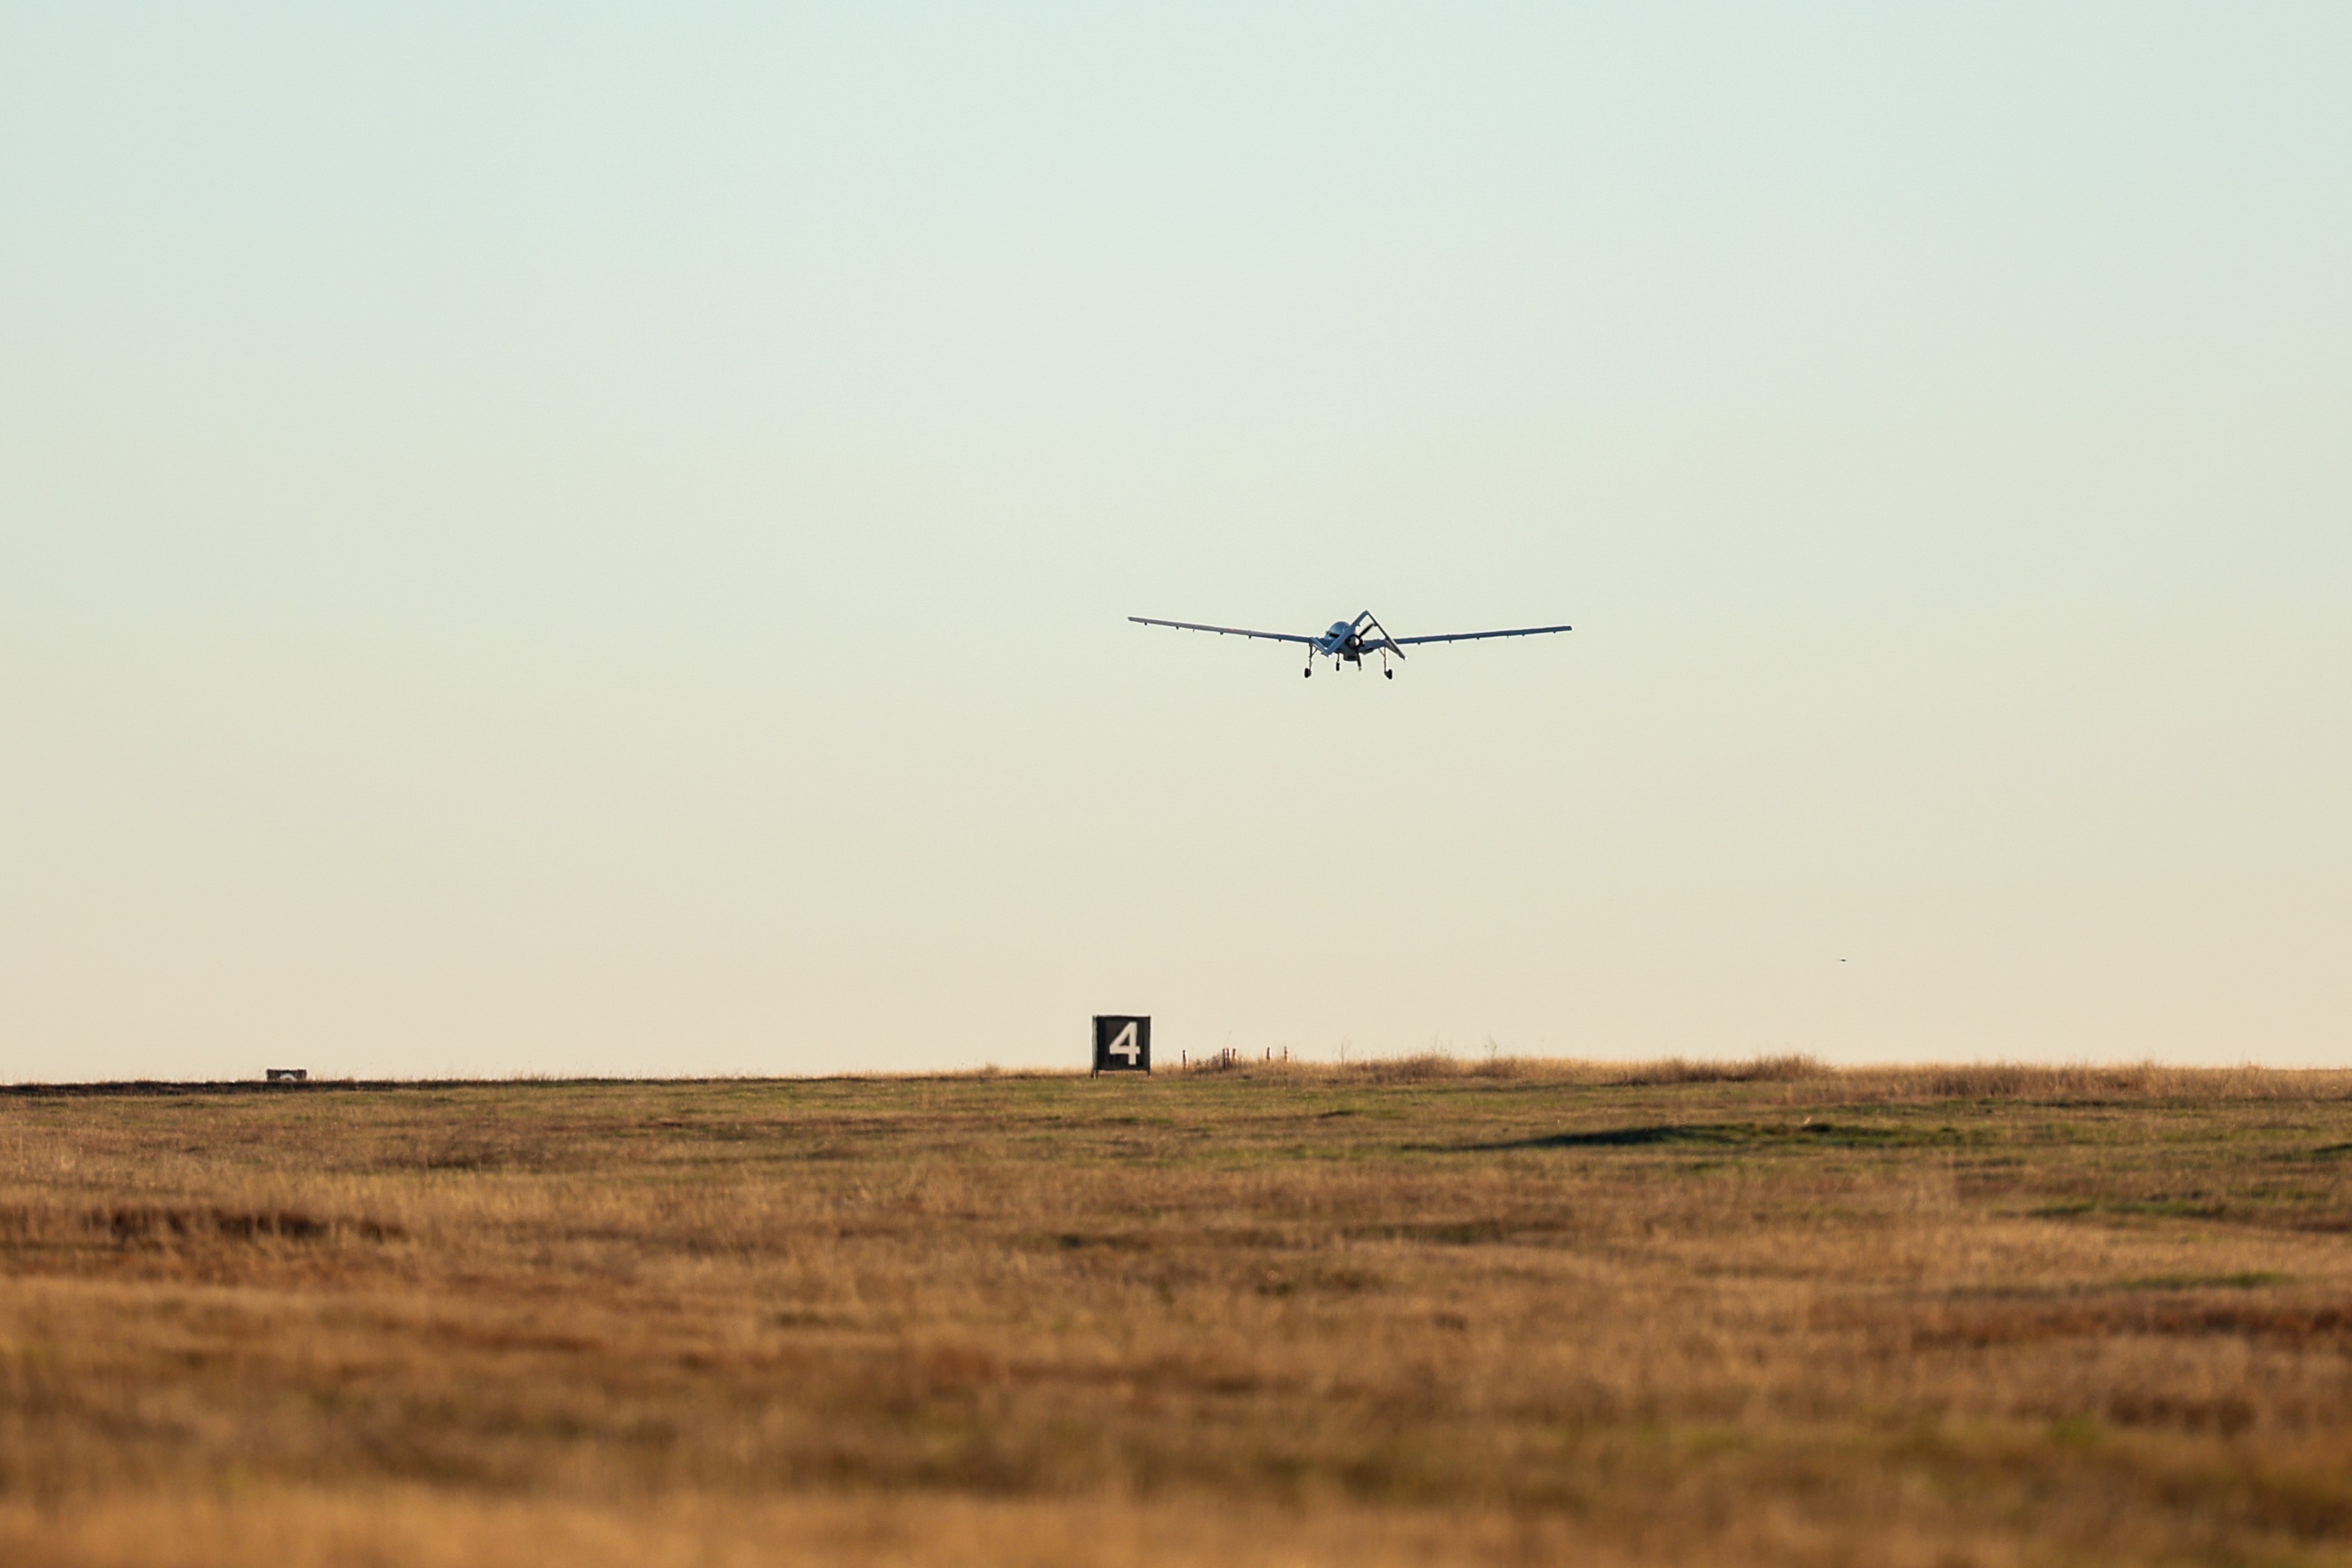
(1307, 674)
(1391, 674)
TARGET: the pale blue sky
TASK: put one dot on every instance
(593, 539)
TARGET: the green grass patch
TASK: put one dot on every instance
(2248, 1280)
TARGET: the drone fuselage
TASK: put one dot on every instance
(1343, 641)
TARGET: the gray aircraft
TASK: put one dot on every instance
(1348, 641)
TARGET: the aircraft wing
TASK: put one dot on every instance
(1474, 636)
(1222, 631)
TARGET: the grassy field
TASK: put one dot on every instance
(1406, 1312)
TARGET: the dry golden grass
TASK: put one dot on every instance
(1413, 1311)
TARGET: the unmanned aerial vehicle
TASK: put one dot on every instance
(1348, 641)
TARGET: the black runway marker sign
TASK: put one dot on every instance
(1122, 1044)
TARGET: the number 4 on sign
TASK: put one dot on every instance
(1122, 1042)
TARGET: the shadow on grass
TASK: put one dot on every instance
(1729, 1135)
